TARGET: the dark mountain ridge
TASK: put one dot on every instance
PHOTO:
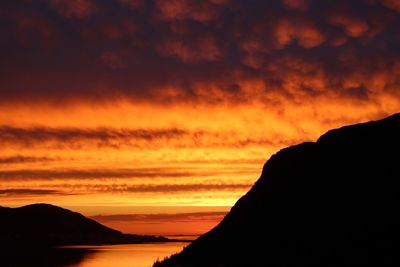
(48, 225)
(333, 202)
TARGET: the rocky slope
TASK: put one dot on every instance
(334, 202)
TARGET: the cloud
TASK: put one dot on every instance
(393, 4)
(117, 186)
(179, 188)
(197, 10)
(28, 192)
(35, 174)
(80, 138)
(113, 60)
(159, 218)
(308, 36)
(24, 159)
(205, 49)
(297, 4)
(131, 173)
(119, 83)
(74, 8)
(145, 48)
(354, 27)
(134, 4)
(75, 137)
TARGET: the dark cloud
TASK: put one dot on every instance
(297, 4)
(24, 159)
(393, 4)
(162, 172)
(176, 188)
(145, 188)
(76, 138)
(28, 192)
(55, 50)
(99, 188)
(91, 174)
(74, 8)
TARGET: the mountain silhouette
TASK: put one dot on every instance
(333, 202)
(41, 225)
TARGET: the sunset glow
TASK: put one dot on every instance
(179, 103)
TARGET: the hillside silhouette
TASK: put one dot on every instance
(333, 202)
(44, 225)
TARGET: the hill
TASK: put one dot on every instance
(333, 202)
(48, 225)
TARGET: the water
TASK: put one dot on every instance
(132, 255)
(137, 255)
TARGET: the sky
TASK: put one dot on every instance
(169, 109)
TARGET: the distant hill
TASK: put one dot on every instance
(48, 225)
(334, 202)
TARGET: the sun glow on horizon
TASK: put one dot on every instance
(152, 157)
(180, 103)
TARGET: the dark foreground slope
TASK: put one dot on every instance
(41, 225)
(334, 202)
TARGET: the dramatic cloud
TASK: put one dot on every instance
(176, 188)
(394, 4)
(141, 50)
(297, 4)
(74, 8)
(166, 172)
(77, 138)
(12, 192)
(196, 10)
(353, 27)
(134, 4)
(307, 36)
(201, 50)
(152, 101)
(88, 174)
(23, 159)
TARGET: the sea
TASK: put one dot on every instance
(133, 255)
(127, 255)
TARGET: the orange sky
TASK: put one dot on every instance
(188, 156)
(130, 154)
(151, 107)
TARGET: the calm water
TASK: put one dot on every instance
(135, 255)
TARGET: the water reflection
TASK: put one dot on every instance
(33, 257)
(138, 255)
